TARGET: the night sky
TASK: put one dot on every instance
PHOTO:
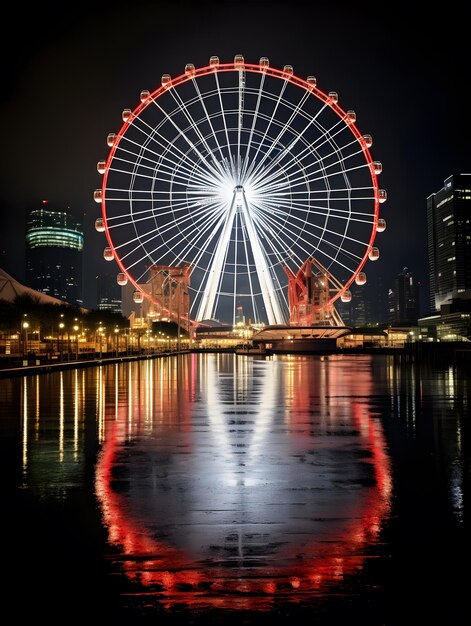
(67, 77)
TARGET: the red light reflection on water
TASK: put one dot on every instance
(173, 576)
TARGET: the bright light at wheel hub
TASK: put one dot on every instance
(242, 193)
(239, 195)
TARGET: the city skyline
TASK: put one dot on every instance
(403, 89)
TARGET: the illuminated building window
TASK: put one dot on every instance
(54, 245)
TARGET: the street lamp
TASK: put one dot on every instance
(116, 331)
(61, 329)
(25, 338)
(100, 332)
(126, 341)
(76, 341)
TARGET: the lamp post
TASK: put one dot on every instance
(25, 326)
(51, 344)
(61, 330)
(100, 332)
(116, 331)
(178, 283)
(179, 313)
(76, 342)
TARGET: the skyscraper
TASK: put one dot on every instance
(404, 299)
(108, 293)
(54, 244)
(366, 306)
(356, 311)
(449, 239)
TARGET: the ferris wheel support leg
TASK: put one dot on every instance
(272, 306)
(206, 308)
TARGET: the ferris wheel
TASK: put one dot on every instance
(240, 172)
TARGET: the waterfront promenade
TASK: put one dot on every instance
(446, 353)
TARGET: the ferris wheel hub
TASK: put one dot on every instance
(239, 194)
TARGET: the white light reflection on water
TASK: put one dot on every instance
(101, 403)
(239, 425)
(456, 479)
(61, 416)
(130, 399)
(36, 413)
(116, 390)
(25, 426)
(76, 415)
(252, 464)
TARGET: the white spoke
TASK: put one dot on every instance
(309, 150)
(272, 118)
(165, 146)
(254, 123)
(265, 183)
(223, 117)
(276, 141)
(213, 133)
(289, 231)
(196, 129)
(269, 215)
(184, 136)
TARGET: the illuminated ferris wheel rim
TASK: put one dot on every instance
(239, 65)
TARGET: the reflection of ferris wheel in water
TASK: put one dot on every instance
(242, 172)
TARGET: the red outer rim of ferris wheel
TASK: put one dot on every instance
(256, 69)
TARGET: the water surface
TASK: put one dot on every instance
(228, 489)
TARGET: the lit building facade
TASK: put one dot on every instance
(366, 308)
(449, 240)
(404, 299)
(108, 293)
(54, 251)
(453, 323)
